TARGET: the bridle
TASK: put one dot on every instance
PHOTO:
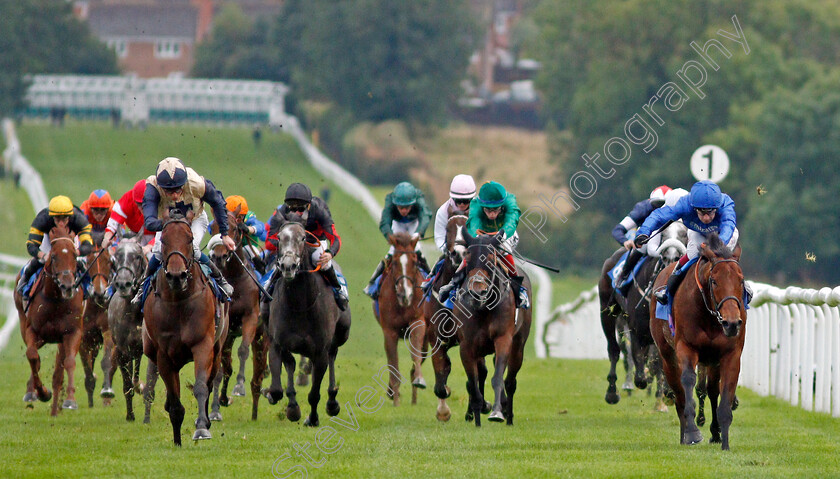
(494, 270)
(189, 261)
(401, 277)
(296, 257)
(715, 312)
(49, 270)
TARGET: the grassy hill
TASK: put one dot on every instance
(563, 426)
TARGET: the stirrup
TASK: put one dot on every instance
(661, 296)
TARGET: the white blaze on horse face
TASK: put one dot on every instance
(459, 247)
(405, 284)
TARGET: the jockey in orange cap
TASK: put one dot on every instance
(97, 208)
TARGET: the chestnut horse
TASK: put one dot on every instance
(125, 319)
(244, 321)
(54, 315)
(95, 319)
(709, 329)
(490, 323)
(183, 322)
(399, 313)
(304, 319)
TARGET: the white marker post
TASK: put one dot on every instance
(709, 162)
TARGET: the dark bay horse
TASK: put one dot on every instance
(244, 321)
(54, 316)
(304, 319)
(125, 319)
(634, 311)
(709, 323)
(490, 324)
(181, 323)
(95, 319)
(400, 311)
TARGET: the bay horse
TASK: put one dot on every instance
(181, 323)
(95, 319)
(709, 329)
(400, 313)
(634, 311)
(303, 319)
(244, 320)
(125, 319)
(491, 324)
(440, 331)
(54, 315)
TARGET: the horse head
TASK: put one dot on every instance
(61, 262)
(724, 284)
(176, 248)
(404, 266)
(455, 246)
(486, 278)
(291, 248)
(219, 252)
(129, 263)
(674, 241)
(100, 270)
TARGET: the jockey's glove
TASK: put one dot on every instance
(154, 225)
(640, 240)
(85, 249)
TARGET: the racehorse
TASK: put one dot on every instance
(95, 319)
(440, 330)
(399, 312)
(54, 315)
(125, 320)
(244, 320)
(709, 329)
(634, 311)
(490, 323)
(304, 319)
(183, 322)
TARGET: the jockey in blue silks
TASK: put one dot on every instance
(705, 210)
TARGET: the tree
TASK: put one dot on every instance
(43, 36)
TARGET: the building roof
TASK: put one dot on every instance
(145, 21)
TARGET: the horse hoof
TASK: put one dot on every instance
(46, 396)
(239, 390)
(701, 420)
(333, 408)
(660, 407)
(107, 393)
(496, 416)
(224, 401)
(444, 416)
(641, 383)
(302, 380)
(129, 417)
(215, 416)
(469, 416)
(692, 438)
(293, 413)
(419, 383)
(30, 397)
(487, 408)
(70, 404)
(628, 386)
(735, 403)
(309, 422)
(612, 397)
(273, 396)
(715, 440)
(201, 434)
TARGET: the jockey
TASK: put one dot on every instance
(636, 217)
(405, 211)
(671, 199)
(494, 211)
(314, 214)
(253, 230)
(705, 210)
(60, 212)
(127, 212)
(97, 209)
(176, 188)
(461, 193)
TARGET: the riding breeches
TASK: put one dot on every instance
(199, 228)
(410, 228)
(695, 239)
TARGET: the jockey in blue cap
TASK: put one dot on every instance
(705, 210)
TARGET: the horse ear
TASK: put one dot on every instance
(737, 252)
(468, 238)
(391, 239)
(237, 210)
(706, 252)
(414, 239)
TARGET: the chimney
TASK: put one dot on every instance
(205, 18)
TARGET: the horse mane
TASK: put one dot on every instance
(402, 240)
(717, 246)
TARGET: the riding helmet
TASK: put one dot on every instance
(405, 194)
(171, 173)
(234, 201)
(100, 199)
(491, 195)
(462, 187)
(298, 192)
(705, 194)
(138, 191)
(657, 196)
(60, 206)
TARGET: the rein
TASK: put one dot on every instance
(189, 261)
(52, 274)
(716, 311)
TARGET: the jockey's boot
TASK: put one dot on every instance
(151, 268)
(519, 294)
(671, 287)
(28, 269)
(370, 288)
(217, 275)
(259, 264)
(455, 282)
(422, 263)
(630, 263)
(340, 297)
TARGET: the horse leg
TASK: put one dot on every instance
(442, 366)
(203, 357)
(639, 356)
(625, 344)
(71, 348)
(672, 376)
(128, 389)
(416, 338)
(173, 404)
(391, 340)
(661, 386)
(319, 367)
(608, 320)
(58, 378)
(292, 409)
(258, 356)
(34, 387)
(502, 345)
(333, 408)
(215, 414)
(275, 363)
(107, 364)
(730, 367)
(713, 389)
(688, 378)
(226, 371)
(304, 371)
(88, 359)
(701, 391)
(473, 389)
(249, 331)
(482, 380)
(515, 363)
(152, 374)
